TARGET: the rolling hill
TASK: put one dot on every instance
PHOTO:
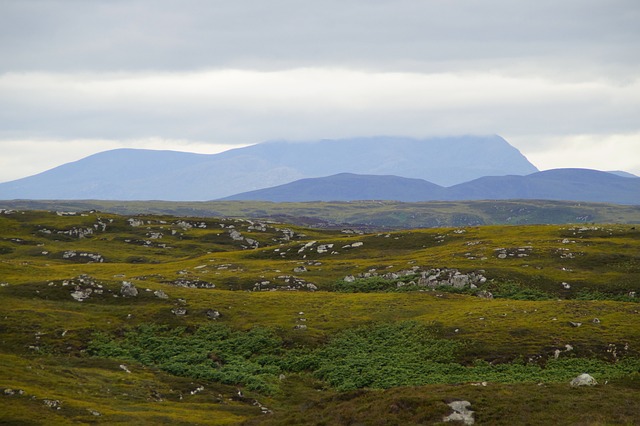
(558, 184)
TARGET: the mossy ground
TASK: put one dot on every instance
(45, 333)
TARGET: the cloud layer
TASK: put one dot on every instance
(558, 80)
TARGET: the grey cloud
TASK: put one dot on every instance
(418, 35)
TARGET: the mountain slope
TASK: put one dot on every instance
(128, 174)
(557, 184)
(347, 187)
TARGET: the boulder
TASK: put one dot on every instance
(583, 380)
(213, 314)
(81, 294)
(461, 413)
(128, 289)
(484, 294)
(179, 311)
(160, 294)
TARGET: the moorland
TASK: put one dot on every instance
(113, 318)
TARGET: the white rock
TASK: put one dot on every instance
(583, 380)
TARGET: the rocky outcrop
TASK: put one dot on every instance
(128, 289)
(461, 413)
(583, 380)
(286, 283)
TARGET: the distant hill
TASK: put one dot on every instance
(348, 187)
(129, 174)
(557, 184)
(622, 173)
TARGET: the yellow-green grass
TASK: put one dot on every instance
(44, 332)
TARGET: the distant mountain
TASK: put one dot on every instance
(128, 174)
(558, 184)
(622, 173)
(348, 187)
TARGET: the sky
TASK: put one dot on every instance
(560, 80)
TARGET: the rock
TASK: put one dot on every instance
(160, 294)
(461, 413)
(349, 279)
(235, 235)
(484, 294)
(583, 380)
(299, 269)
(81, 294)
(53, 403)
(300, 327)
(213, 314)
(566, 286)
(323, 248)
(595, 321)
(128, 289)
(575, 324)
(124, 368)
(180, 312)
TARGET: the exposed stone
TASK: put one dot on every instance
(213, 314)
(575, 324)
(194, 283)
(300, 327)
(484, 294)
(128, 289)
(53, 403)
(160, 294)
(180, 312)
(81, 294)
(583, 380)
(299, 269)
(461, 413)
(323, 248)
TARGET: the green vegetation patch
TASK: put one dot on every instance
(379, 356)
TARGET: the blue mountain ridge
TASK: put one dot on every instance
(558, 184)
(133, 174)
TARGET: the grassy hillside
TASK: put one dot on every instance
(367, 214)
(246, 321)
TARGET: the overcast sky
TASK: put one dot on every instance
(560, 80)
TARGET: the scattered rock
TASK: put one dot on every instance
(160, 294)
(300, 327)
(484, 294)
(193, 283)
(575, 324)
(299, 269)
(53, 403)
(213, 314)
(180, 312)
(128, 289)
(124, 368)
(583, 380)
(81, 294)
(566, 286)
(461, 413)
(595, 321)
